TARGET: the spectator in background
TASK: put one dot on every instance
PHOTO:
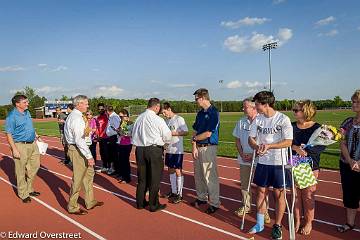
(125, 146)
(103, 120)
(111, 132)
(61, 117)
(350, 164)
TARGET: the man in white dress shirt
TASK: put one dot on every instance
(81, 158)
(150, 134)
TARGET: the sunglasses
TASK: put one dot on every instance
(297, 110)
(101, 109)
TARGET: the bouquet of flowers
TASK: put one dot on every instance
(324, 136)
(125, 128)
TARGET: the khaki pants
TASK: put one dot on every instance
(26, 168)
(83, 175)
(206, 175)
(244, 179)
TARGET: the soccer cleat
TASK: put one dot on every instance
(276, 232)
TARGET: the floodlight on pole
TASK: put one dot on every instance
(268, 47)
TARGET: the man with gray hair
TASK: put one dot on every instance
(241, 133)
(81, 158)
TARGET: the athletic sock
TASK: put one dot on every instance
(259, 226)
(180, 183)
(173, 183)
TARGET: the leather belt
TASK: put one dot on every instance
(25, 142)
(203, 144)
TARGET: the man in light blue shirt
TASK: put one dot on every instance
(21, 138)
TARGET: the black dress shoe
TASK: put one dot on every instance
(197, 203)
(80, 212)
(145, 204)
(34, 194)
(211, 210)
(159, 208)
(26, 200)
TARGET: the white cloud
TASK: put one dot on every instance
(182, 85)
(255, 42)
(331, 33)
(46, 68)
(278, 1)
(14, 68)
(95, 70)
(108, 91)
(45, 90)
(59, 68)
(204, 45)
(247, 21)
(252, 87)
(155, 81)
(234, 84)
(249, 86)
(285, 34)
(325, 21)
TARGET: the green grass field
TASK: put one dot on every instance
(329, 159)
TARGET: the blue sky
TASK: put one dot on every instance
(168, 49)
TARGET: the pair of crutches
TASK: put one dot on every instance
(289, 208)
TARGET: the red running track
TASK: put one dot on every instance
(119, 218)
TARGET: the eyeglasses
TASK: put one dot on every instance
(297, 110)
(101, 109)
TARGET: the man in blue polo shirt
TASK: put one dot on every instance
(21, 137)
(204, 149)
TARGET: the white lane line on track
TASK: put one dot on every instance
(182, 217)
(125, 197)
(94, 234)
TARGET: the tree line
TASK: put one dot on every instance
(182, 106)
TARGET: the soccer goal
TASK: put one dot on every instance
(135, 110)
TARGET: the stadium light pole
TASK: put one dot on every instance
(268, 47)
(221, 106)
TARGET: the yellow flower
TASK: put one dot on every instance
(333, 129)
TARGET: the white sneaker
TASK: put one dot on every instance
(104, 169)
(110, 171)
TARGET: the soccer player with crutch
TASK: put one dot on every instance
(270, 136)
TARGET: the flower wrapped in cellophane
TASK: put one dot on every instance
(324, 136)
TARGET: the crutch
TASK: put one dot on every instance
(289, 209)
(248, 189)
